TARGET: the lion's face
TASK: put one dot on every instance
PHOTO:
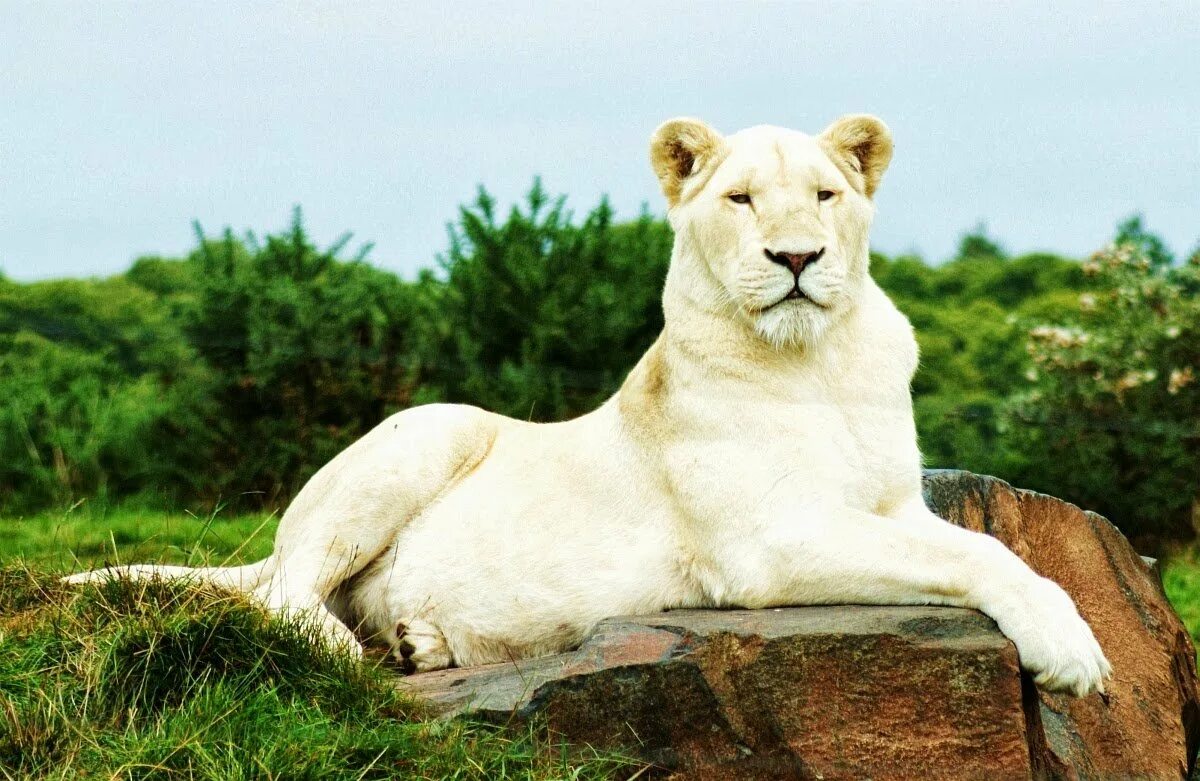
(773, 222)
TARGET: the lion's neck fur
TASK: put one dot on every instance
(706, 356)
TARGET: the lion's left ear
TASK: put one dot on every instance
(861, 145)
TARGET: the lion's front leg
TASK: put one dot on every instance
(1040, 618)
(846, 556)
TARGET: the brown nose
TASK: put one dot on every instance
(796, 261)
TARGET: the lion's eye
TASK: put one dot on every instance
(825, 195)
(739, 197)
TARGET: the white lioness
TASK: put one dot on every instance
(761, 453)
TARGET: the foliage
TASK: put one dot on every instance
(968, 315)
(1181, 581)
(306, 353)
(1115, 402)
(1132, 232)
(236, 372)
(538, 317)
(92, 374)
(240, 369)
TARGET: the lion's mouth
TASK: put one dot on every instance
(796, 294)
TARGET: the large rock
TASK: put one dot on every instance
(1149, 724)
(880, 692)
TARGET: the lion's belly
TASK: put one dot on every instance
(562, 526)
(527, 553)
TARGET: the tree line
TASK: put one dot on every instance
(232, 374)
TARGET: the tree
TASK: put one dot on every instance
(977, 244)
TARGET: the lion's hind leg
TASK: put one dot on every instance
(352, 510)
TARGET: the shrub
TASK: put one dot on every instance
(1110, 416)
(538, 317)
(307, 353)
(94, 376)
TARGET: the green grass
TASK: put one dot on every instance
(160, 680)
(87, 537)
(1181, 578)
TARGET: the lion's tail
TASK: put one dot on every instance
(244, 578)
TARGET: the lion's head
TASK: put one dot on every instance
(771, 224)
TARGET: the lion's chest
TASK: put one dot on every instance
(771, 456)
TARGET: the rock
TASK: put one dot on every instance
(783, 693)
(1149, 724)
(880, 692)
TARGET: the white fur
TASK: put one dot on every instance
(759, 454)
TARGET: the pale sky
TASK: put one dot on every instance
(122, 122)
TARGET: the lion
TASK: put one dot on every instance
(761, 453)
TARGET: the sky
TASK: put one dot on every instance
(122, 122)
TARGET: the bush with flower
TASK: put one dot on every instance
(1111, 418)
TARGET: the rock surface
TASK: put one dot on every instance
(880, 692)
(1149, 727)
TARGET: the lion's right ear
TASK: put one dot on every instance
(680, 148)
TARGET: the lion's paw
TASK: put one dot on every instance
(1054, 643)
(420, 646)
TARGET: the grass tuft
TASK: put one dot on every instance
(163, 679)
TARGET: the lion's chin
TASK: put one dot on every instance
(794, 322)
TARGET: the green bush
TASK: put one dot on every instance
(1112, 417)
(969, 315)
(307, 352)
(236, 372)
(93, 377)
(537, 317)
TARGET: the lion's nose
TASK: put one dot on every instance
(796, 261)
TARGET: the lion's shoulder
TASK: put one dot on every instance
(886, 337)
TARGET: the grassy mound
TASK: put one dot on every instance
(163, 680)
